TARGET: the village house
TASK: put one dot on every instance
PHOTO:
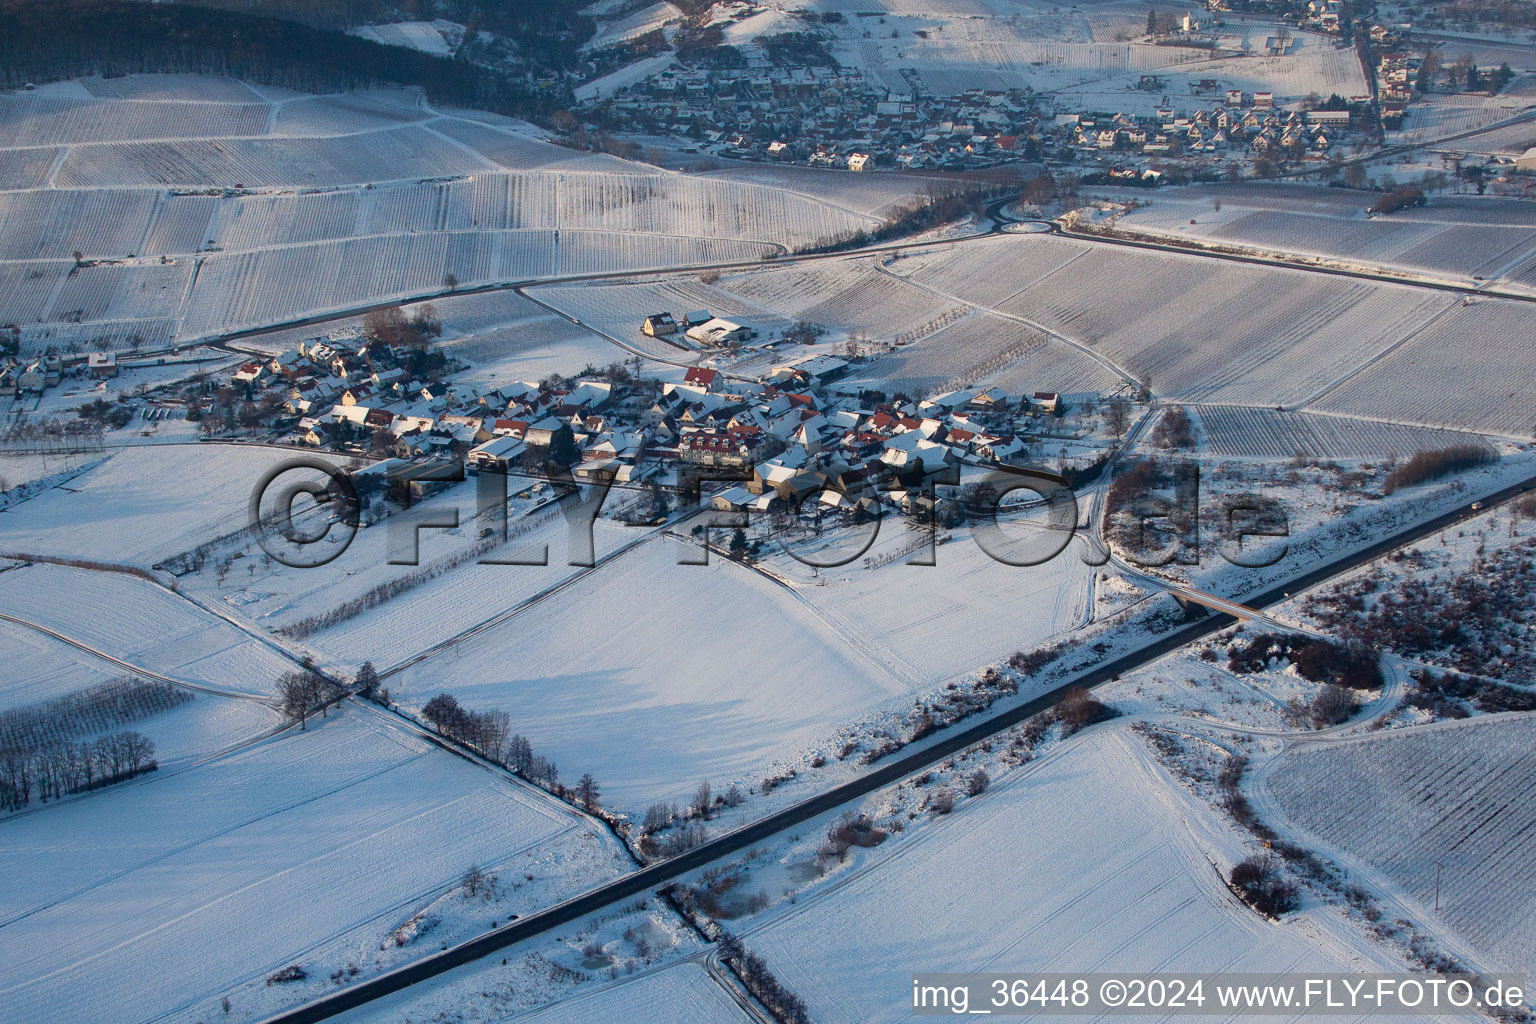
(32, 379)
(720, 448)
(658, 324)
(699, 377)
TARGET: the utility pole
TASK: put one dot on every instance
(1437, 887)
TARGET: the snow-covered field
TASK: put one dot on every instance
(1451, 239)
(1281, 337)
(1088, 859)
(633, 25)
(40, 667)
(427, 36)
(653, 675)
(990, 348)
(978, 47)
(333, 202)
(619, 310)
(1475, 345)
(1435, 117)
(143, 625)
(1065, 315)
(152, 899)
(435, 611)
(681, 993)
(874, 194)
(530, 349)
(1238, 432)
(965, 611)
(148, 211)
(1457, 793)
(1320, 70)
(142, 505)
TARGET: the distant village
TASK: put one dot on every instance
(794, 104)
(823, 115)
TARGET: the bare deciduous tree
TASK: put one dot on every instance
(300, 693)
(587, 791)
(701, 803)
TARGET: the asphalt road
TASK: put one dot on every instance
(886, 774)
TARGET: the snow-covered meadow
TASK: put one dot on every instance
(150, 901)
(142, 505)
(42, 668)
(679, 993)
(1088, 858)
(1460, 239)
(928, 624)
(142, 625)
(653, 675)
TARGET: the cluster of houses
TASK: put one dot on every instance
(841, 455)
(796, 433)
(1248, 124)
(826, 116)
(1321, 15)
(831, 119)
(1397, 75)
(30, 377)
(343, 392)
(1324, 15)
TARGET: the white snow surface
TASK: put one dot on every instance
(1090, 859)
(653, 675)
(1456, 792)
(151, 899)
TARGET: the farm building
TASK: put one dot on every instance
(717, 331)
(497, 454)
(31, 379)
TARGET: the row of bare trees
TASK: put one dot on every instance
(490, 734)
(786, 1006)
(62, 768)
(304, 692)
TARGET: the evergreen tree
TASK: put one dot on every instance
(562, 447)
